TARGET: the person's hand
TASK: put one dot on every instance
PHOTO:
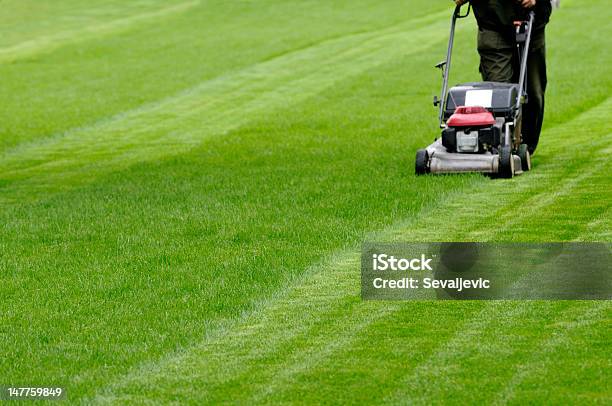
(462, 2)
(526, 3)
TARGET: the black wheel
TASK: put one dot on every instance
(422, 160)
(506, 163)
(523, 153)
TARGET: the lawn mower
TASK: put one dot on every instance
(480, 121)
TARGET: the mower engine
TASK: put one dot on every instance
(476, 115)
(472, 130)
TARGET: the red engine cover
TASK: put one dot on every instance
(471, 117)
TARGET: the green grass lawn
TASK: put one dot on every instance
(185, 185)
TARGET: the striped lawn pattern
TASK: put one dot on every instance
(185, 185)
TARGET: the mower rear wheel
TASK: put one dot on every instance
(506, 163)
(422, 160)
(523, 153)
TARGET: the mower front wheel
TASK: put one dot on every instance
(506, 163)
(422, 162)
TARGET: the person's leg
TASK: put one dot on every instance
(497, 56)
(498, 63)
(533, 111)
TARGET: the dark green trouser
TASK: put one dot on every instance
(499, 63)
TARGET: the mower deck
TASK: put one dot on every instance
(441, 161)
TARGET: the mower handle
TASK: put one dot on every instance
(446, 64)
(525, 55)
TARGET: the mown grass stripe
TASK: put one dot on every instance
(375, 357)
(319, 348)
(544, 352)
(215, 107)
(52, 41)
(539, 207)
(600, 227)
(496, 337)
(287, 319)
(422, 382)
